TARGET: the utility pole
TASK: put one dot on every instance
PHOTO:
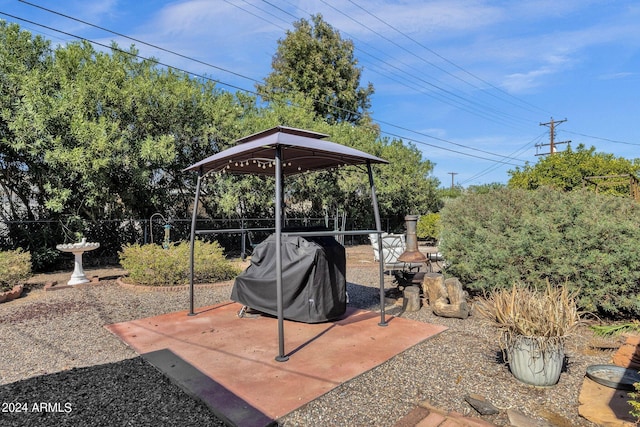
(452, 175)
(552, 133)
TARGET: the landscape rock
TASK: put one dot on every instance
(480, 404)
(628, 355)
(604, 406)
(11, 294)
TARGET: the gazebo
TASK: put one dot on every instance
(278, 152)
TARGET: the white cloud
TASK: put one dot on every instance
(619, 75)
(523, 82)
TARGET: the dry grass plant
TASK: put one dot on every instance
(547, 316)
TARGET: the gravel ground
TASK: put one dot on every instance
(59, 360)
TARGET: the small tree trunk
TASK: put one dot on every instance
(411, 298)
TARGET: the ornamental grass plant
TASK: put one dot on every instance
(544, 315)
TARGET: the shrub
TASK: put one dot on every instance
(15, 266)
(152, 265)
(429, 227)
(587, 240)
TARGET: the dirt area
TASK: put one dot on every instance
(360, 256)
(62, 277)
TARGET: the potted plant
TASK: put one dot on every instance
(534, 326)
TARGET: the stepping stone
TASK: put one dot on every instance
(480, 404)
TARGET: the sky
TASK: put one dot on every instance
(473, 84)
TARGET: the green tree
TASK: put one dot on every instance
(429, 227)
(315, 61)
(566, 170)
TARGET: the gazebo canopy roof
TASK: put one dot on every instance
(302, 151)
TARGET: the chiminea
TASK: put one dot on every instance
(411, 253)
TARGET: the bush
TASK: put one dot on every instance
(587, 240)
(15, 266)
(429, 227)
(634, 401)
(152, 265)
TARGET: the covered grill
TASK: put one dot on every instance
(313, 278)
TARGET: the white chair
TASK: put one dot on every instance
(393, 245)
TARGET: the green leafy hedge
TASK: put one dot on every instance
(428, 227)
(588, 241)
(152, 265)
(15, 266)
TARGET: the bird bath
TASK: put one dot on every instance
(77, 249)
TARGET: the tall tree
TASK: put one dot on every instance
(315, 61)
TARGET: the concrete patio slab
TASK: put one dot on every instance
(229, 362)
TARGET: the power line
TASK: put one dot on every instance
(519, 151)
(438, 87)
(426, 144)
(486, 111)
(447, 61)
(600, 138)
(126, 52)
(487, 115)
(132, 39)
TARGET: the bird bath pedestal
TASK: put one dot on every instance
(77, 249)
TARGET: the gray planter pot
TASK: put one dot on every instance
(534, 360)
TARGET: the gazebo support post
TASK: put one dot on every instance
(192, 243)
(281, 357)
(376, 214)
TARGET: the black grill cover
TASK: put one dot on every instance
(313, 279)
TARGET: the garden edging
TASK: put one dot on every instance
(12, 294)
(122, 283)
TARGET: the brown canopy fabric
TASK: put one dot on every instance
(284, 151)
(302, 151)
